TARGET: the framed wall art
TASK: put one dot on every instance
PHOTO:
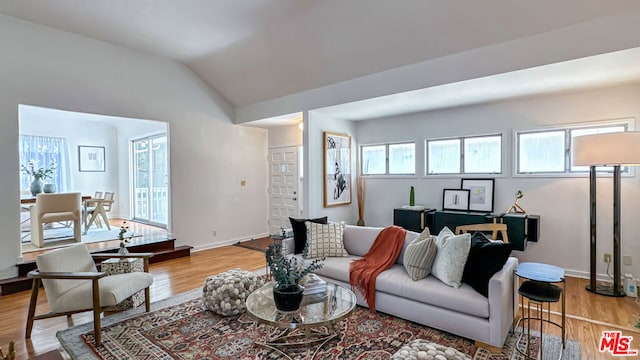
(337, 169)
(481, 194)
(455, 199)
(91, 158)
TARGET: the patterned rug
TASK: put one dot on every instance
(181, 328)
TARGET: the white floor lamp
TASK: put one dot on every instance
(610, 149)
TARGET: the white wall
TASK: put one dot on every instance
(562, 203)
(315, 125)
(281, 136)
(45, 67)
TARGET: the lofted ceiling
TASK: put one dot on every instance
(251, 51)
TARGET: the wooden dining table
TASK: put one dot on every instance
(32, 199)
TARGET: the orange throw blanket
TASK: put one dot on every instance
(381, 256)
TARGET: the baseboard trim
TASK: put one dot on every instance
(227, 242)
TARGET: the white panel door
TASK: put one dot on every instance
(283, 187)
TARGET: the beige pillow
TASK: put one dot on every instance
(325, 240)
(453, 251)
(419, 256)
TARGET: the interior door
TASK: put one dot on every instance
(283, 187)
(150, 178)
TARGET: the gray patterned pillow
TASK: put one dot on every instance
(419, 255)
(325, 240)
(453, 251)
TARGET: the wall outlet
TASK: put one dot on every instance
(626, 260)
(214, 233)
(607, 258)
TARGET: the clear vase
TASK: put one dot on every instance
(123, 250)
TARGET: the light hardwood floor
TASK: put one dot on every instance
(588, 314)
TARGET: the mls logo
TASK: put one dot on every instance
(616, 344)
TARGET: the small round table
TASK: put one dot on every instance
(316, 310)
(539, 288)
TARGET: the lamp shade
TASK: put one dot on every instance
(621, 148)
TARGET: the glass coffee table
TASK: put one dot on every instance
(315, 318)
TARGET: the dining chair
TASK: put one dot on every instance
(487, 227)
(51, 208)
(91, 207)
(73, 284)
(102, 206)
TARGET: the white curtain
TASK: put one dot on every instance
(46, 151)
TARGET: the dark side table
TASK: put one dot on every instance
(541, 287)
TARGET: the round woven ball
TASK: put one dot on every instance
(422, 349)
(225, 293)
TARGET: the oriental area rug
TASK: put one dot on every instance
(181, 328)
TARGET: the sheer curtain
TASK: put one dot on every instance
(46, 151)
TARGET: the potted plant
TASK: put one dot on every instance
(287, 272)
(38, 175)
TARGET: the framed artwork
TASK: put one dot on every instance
(455, 199)
(481, 194)
(337, 169)
(91, 158)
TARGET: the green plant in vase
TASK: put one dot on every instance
(123, 240)
(38, 175)
(288, 271)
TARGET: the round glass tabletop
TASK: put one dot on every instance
(315, 310)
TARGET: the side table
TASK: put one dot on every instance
(122, 266)
(539, 289)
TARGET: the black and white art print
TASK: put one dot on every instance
(337, 169)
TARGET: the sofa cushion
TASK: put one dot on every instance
(419, 256)
(451, 257)
(486, 258)
(432, 291)
(300, 231)
(325, 240)
(336, 267)
(358, 239)
(429, 290)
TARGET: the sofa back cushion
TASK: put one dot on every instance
(358, 240)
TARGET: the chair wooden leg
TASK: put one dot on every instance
(96, 313)
(106, 219)
(35, 287)
(147, 299)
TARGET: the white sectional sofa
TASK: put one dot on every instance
(429, 301)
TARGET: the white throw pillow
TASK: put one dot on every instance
(453, 251)
(325, 240)
(419, 256)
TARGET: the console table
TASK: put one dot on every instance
(521, 228)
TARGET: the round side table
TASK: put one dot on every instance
(539, 288)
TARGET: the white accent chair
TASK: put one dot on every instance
(51, 208)
(73, 284)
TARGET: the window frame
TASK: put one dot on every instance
(462, 156)
(627, 123)
(386, 161)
